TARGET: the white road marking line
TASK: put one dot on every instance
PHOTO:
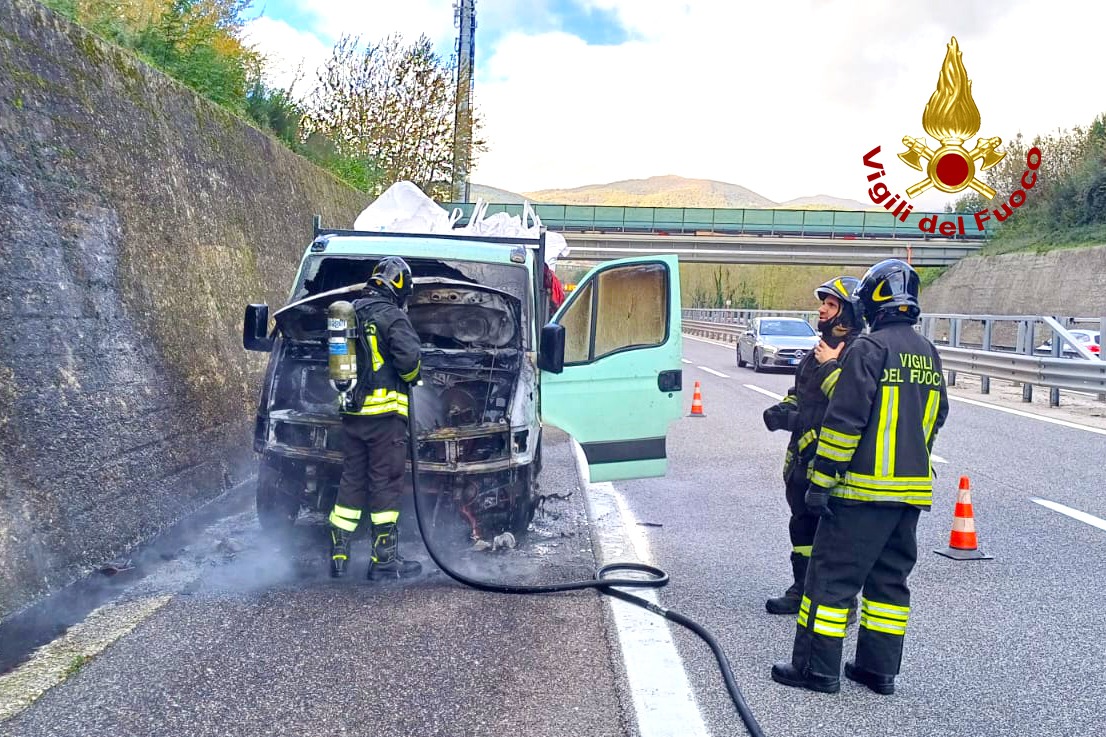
(664, 702)
(685, 360)
(765, 392)
(732, 346)
(1090, 519)
(1030, 415)
(937, 459)
(54, 662)
(716, 373)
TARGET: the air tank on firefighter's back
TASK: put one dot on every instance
(341, 324)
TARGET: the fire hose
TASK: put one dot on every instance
(605, 582)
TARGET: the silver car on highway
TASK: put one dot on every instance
(775, 342)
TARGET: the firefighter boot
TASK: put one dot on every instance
(339, 551)
(878, 682)
(789, 675)
(386, 562)
(789, 602)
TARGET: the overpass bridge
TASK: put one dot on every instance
(747, 236)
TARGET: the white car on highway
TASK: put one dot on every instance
(1088, 338)
(775, 342)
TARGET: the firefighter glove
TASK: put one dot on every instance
(817, 501)
(779, 417)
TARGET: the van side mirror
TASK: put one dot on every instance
(255, 329)
(551, 354)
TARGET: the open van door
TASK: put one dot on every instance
(611, 373)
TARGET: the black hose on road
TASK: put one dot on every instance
(604, 582)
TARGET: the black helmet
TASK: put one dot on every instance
(392, 276)
(846, 321)
(889, 288)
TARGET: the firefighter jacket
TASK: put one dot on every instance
(888, 404)
(806, 404)
(388, 358)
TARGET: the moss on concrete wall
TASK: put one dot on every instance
(138, 220)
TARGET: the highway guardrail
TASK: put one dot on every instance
(1016, 363)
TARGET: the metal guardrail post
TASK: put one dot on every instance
(1101, 353)
(954, 341)
(1027, 348)
(985, 381)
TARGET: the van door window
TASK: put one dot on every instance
(622, 308)
(633, 309)
(577, 324)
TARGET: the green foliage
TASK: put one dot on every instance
(929, 274)
(75, 664)
(1066, 206)
(195, 41)
(198, 42)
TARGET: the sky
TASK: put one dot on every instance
(784, 98)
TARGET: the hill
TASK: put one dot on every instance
(664, 191)
(826, 202)
(494, 195)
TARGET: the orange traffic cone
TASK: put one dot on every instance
(697, 403)
(962, 541)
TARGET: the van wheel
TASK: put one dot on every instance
(277, 507)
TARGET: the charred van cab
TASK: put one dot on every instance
(605, 370)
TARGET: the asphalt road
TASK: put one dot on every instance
(1011, 646)
(256, 639)
(240, 635)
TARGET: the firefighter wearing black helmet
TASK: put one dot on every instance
(374, 424)
(870, 478)
(801, 413)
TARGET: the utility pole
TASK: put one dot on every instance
(464, 15)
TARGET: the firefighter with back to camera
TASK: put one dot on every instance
(801, 413)
(374, 422)
(871, 478)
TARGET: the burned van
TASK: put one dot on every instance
(606, 370)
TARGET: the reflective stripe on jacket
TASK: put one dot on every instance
(889, 402)
(814, 385)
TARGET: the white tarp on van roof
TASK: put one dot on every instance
(404, 208)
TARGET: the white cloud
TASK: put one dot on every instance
(291, 55)
(783, 98)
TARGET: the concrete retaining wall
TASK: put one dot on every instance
(136, 221)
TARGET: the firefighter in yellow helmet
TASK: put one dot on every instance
(801, 413)
(871, 478)
(374, 424)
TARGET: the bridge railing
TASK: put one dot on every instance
(847, 224)
(989, 346)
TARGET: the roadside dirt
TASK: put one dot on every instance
(1085, 409)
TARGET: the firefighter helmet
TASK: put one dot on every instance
(392, 276)
(842, 288)
(889, 287)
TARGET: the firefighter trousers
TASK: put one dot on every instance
(802, 524)
(375, 453)
(867, 548)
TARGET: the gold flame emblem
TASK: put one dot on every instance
(951, 117)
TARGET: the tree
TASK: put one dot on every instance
(392, 105)
(197, 41)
